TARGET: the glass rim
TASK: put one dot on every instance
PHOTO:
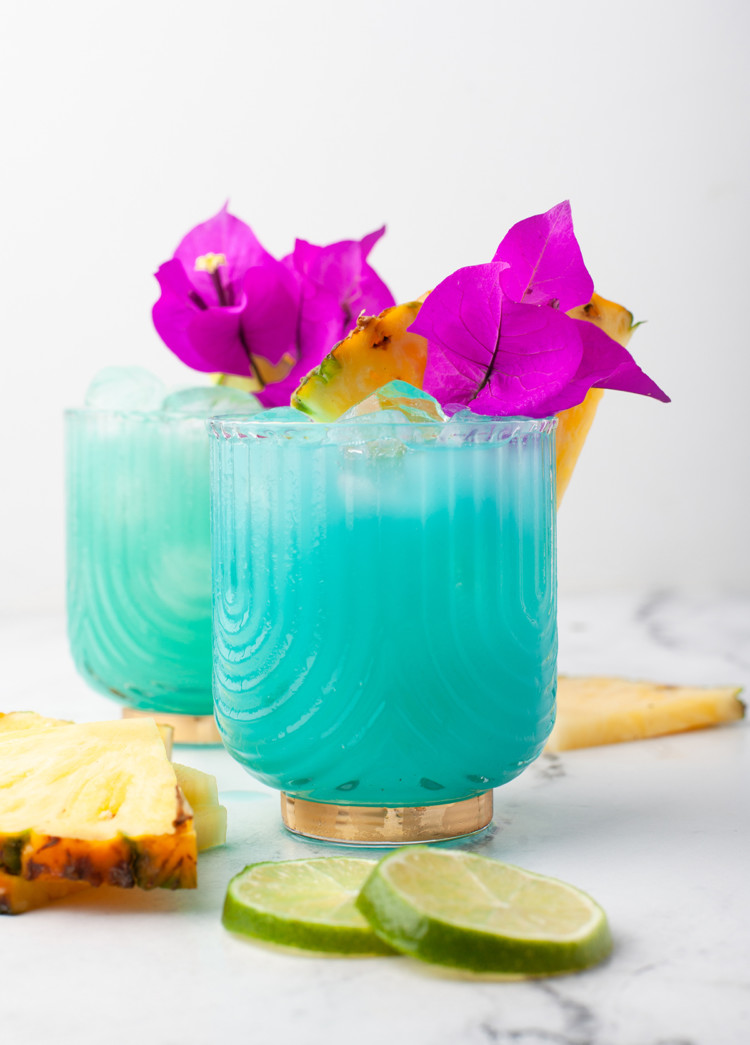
(72, 412)
(229, 426)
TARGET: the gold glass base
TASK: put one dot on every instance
(187, 729)
(381, 825)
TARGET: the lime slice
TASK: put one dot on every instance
(468, 912)
(305, 904)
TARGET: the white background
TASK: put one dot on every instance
(124, 124)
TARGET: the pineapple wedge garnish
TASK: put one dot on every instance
(573, 425)
(594, 711)
(96, 803)
(379, 349)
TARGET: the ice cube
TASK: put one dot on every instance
(281, 423)
(466, 427)
(377, 434)
(211, 400)
(126, 388)
(398, 397)
(384, 416)
(284, 413)
(465, 414)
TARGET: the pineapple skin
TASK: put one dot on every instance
(18, 896)
(166, 861)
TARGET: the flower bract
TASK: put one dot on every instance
(500, 341)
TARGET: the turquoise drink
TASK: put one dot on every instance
(138, 552)
(384, 605)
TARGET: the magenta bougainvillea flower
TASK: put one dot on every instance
(227, 305)
(500, 341)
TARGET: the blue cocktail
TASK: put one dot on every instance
(384, 615)
(138, 545)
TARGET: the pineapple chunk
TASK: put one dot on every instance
(210, 824)
(573, 425)
(593, 711)
(96, 803)
(209, 818)
(379, 349)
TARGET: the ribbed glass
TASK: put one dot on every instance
(138, 550)
(384, 605)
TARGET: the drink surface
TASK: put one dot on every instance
(384, 610)
(139, 585)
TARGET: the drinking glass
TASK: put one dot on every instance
(138, 558)
(385, 631)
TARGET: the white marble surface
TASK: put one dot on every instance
(657, 831)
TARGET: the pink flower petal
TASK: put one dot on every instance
(215, 336)
(604, 364)
(490, 353)
(341, 273)
(544, 261)
(174, 311)
(462, 314)
(368, 242)
(279, 393)
(270, 321)
(539, 352)
(221, 234)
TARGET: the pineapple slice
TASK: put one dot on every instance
(379, 349)
(200, 789)
(593, 711)
(209, 818)
(573, 425)
(96, 803)
(18, 895)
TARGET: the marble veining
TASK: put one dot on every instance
(714, 627)
(656, 831)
